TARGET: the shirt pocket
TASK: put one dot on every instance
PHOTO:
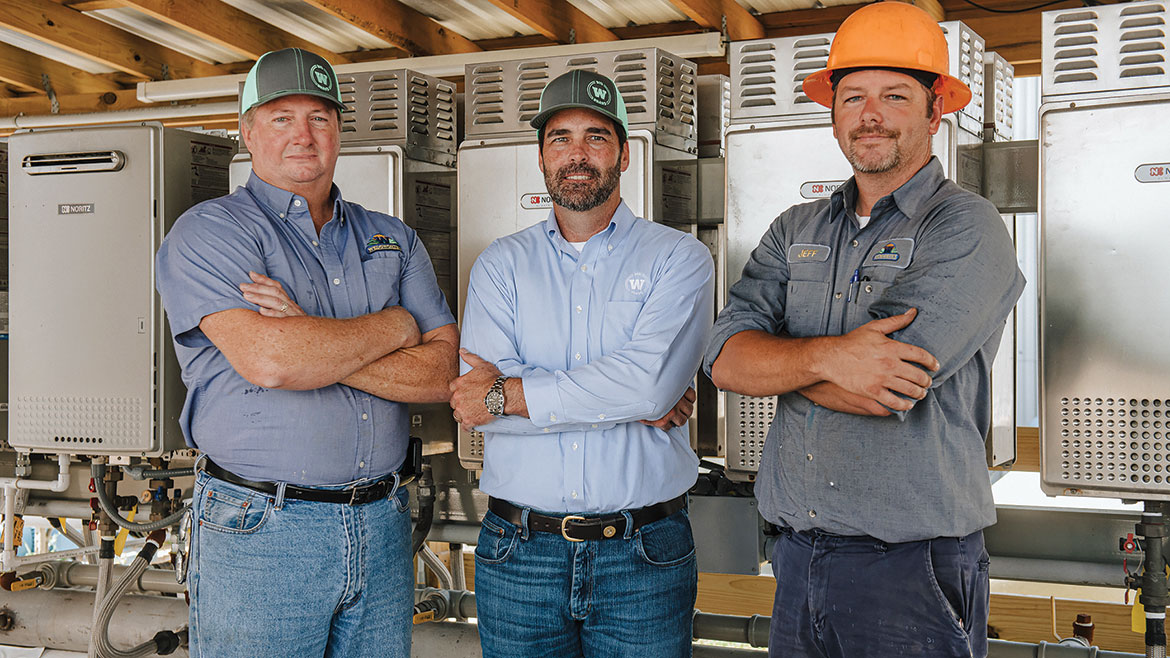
(383, 276)
(805, 313)
(617, 325)
(873, 284)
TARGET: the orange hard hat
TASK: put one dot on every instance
(890, 35)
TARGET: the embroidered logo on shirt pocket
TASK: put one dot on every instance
(891, 253)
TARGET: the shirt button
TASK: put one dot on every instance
(601, 416)
(853, 244)
(577, 356)
(282, 214)
(584, 268)
(337, 282)
(812, 513)
(552, 417)
(297, 203)
(315, 243)
(868, 288)
(574, 445)
(837, 296)
(578, 309)
(808, 456)
(365, 416)
(547, 430)
(362, 464)
(574, 494)
(610, 247)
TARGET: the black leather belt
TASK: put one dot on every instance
(575, 527)
(366, 493)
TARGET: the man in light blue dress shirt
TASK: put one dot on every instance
(578, 332)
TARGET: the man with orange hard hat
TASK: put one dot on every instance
(874, 316)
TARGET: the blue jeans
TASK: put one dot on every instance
(854, 597)
(538, 594)
(298, 578)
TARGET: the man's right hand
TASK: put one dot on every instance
(867, 362)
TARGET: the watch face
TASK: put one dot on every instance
(494, 402)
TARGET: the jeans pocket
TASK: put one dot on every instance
(950, 575)
(666, 542)
(402, 500)
(232, 510)
(497, 538)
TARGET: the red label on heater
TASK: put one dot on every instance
(819, 189)
(1153, 173)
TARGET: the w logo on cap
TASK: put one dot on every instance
(321, 77)
(598, 92)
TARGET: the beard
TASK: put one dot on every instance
(872, 163)
(580, 196)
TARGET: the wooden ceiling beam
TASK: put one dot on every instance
(741, 25)
(101, 42)
(399, 25)
(23, 70)
(231, 28)
(559, 21)
(93, 5)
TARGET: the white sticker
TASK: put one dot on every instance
(820, 189)
(1153, 173)
(636, 284)
(536, 201)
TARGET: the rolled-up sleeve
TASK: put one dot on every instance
(964, 280)
(757, 300)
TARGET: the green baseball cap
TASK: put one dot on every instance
(286, 72)
(585, 89)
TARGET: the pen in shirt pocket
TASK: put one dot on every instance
(851, 295)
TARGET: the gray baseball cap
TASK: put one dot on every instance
(585, 89)
(286, 72)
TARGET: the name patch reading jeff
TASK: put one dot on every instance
(808, 253)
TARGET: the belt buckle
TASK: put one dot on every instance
(363, 495)
(564, 526)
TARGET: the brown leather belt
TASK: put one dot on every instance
(576, 527)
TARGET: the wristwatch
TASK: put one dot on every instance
(494, 400)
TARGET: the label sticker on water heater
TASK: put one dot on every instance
(822, 189)
(74, 208)
(536, 201)
(1153, 173)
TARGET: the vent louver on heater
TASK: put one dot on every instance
(72, 163)
(767, 75)
(658, 89)
(400, 107)
(1106, 48)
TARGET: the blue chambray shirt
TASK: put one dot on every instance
(929, 245)
(601, 339)
(362, 262)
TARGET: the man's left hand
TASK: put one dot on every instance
(469, 390)
(676, 416)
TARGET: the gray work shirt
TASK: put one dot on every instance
(932, 246)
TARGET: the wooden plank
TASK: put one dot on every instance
(101, 42)
(22, 69)
(931, 7)
(559, 21)
(399, 25)
(93, 5)
(741, 25)
(376, 55)
(231, 28)
(800, 22)
(1027, 451)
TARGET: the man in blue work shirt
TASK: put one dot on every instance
(303, 323)
(574, 330)
(875, 317)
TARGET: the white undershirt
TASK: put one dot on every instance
(581, 245)
(862, 221)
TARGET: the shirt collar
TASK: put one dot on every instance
(619, 225)
(280, 201)
(910, 198)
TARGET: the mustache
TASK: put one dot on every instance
(579, 168)
(874, 131)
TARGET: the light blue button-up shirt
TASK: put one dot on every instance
(601, 339)
(362, 262)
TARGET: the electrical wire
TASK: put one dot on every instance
(1014, 11)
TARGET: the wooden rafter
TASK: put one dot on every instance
(559, 21)
(399, 25)
(23, 70)
(101, 42)
(741, 25)
(223, 24)
(931, 7)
